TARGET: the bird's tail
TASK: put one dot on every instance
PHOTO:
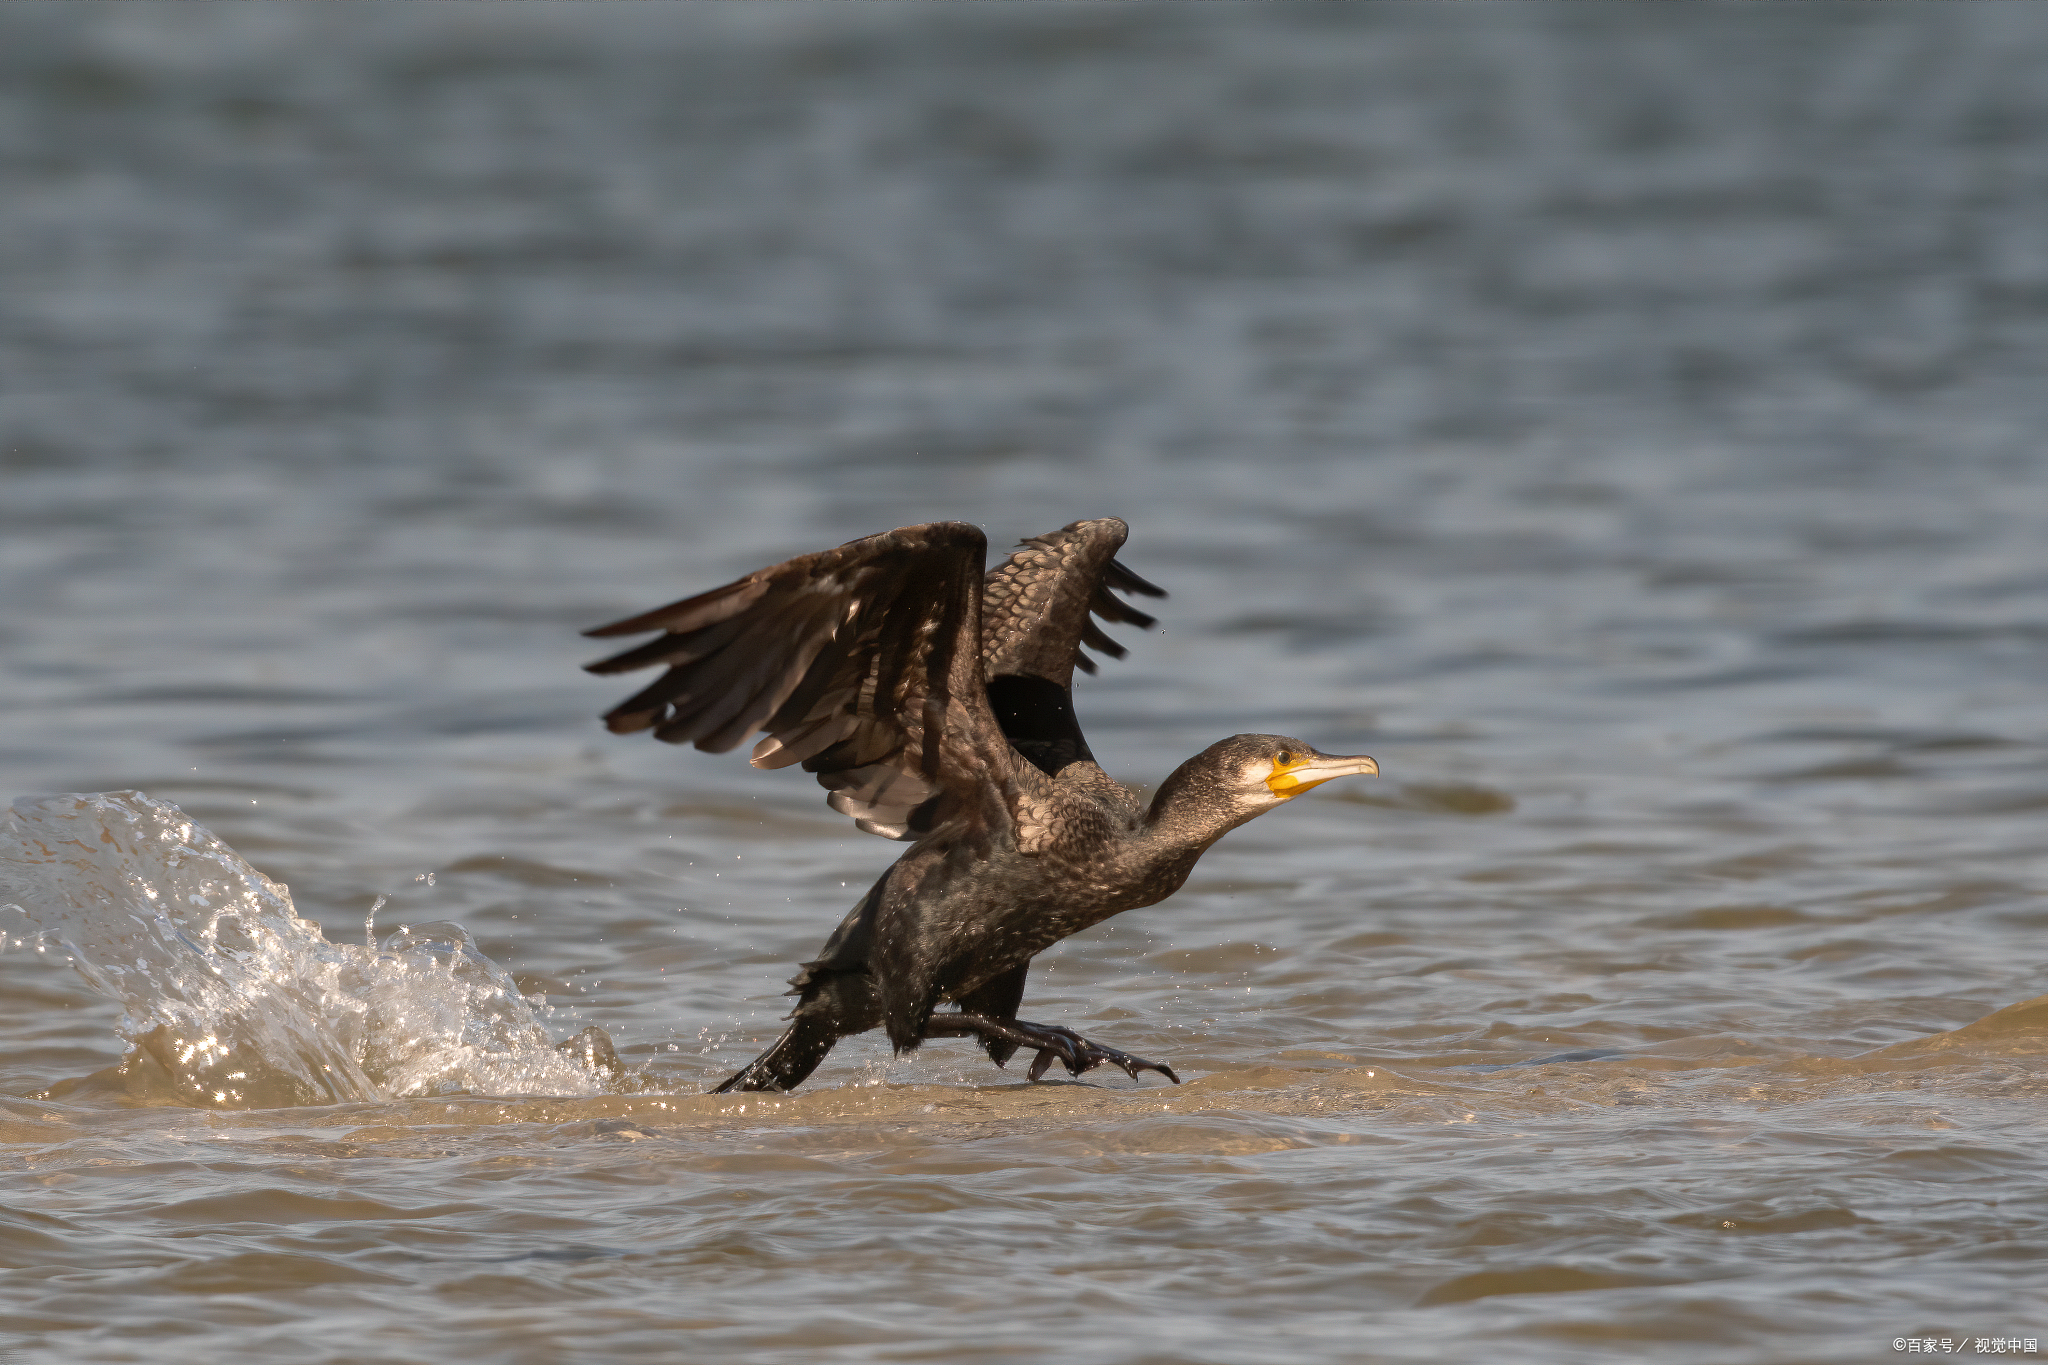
(796, 1055)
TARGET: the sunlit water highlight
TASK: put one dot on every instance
(229, 998)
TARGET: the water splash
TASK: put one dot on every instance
(241, 1003)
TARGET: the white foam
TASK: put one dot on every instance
(241, 1001)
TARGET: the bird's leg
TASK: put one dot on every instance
(795, 1056)
(997, 998)
(1050, 1041)
(833, 1004)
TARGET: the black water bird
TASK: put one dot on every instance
(933, 701)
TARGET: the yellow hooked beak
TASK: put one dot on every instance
(1294, 774)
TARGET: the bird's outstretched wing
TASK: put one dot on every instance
(1036, 605)
(1036, 615)
(860, 663)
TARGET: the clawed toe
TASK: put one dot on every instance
(1050, 1042)
(1133, 1065)
(1136, 1064)
(1078, 1054)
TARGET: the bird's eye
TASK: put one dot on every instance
(1287, 758)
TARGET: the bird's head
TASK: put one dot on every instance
(1244, 776)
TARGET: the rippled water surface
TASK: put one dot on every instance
(1625, 422)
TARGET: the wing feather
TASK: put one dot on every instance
(1038, 620)
(859, 663)
(1036, 606)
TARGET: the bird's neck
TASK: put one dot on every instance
(1188, 814)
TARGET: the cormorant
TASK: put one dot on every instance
(934, 703)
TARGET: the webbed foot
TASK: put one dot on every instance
(1051, 1042)
(1079, 1054)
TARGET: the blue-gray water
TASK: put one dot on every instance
(1624, 421)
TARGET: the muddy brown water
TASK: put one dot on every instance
(1622, 421)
